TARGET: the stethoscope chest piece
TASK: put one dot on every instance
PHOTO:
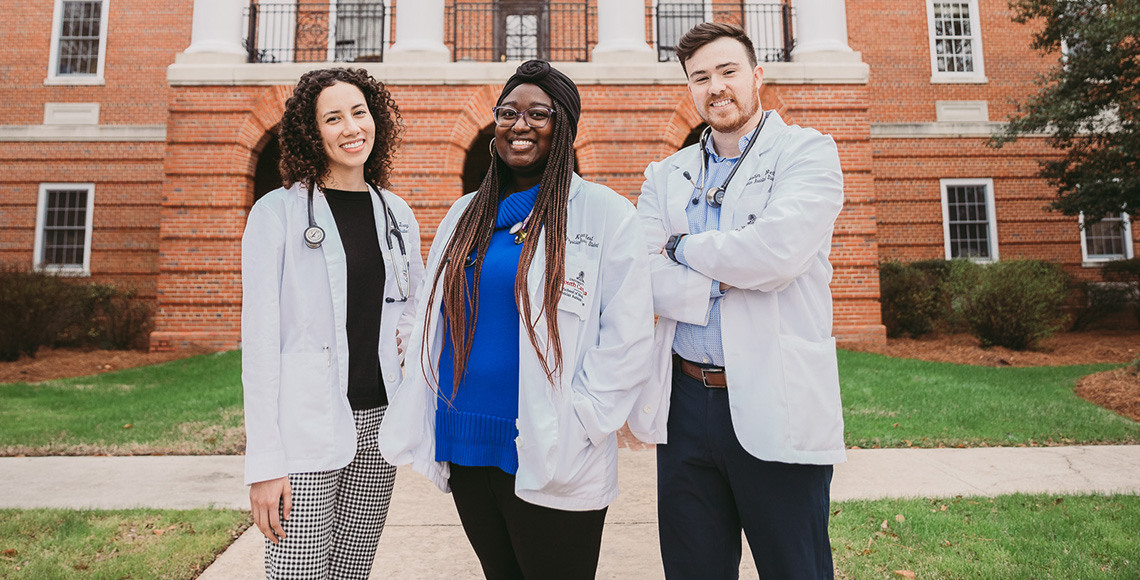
(715, 196)
(314, 236)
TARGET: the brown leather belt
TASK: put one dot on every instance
(712, 377)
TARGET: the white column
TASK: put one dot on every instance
(821, 31)
(621, 33)
(216, 33)
(419, 33)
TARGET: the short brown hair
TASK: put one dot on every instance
(707, 32)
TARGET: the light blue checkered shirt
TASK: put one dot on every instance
(702, 344)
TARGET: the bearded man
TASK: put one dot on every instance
(744, 395)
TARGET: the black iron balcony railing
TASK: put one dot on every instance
(359, 30)
(521, 30)
(343, 31)
(768, 25)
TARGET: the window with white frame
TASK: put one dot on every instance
(1108, 239)
(79, 41)
(63, 227)
(969, 225)
(955, 41)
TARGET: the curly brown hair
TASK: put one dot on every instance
(303, 158)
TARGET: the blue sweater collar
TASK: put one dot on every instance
(515, 207)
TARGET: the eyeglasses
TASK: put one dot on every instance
(536, 117)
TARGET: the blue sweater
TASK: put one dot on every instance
(479, 429)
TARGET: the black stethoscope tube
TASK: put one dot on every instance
(715, 196)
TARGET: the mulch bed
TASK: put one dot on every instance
(57, 363)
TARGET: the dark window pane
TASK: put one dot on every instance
(65, 227)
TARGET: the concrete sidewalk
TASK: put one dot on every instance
(423, 538)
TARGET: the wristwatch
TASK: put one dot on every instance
(671, 246)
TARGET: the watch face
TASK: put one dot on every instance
(314, 236)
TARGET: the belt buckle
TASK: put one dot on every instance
(704, 376)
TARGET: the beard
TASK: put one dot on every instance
(732, 121)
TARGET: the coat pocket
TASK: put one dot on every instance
(811, 382)
(305, 405)
(579, 284)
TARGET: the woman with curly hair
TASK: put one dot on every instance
(328, 264)
(524, 358)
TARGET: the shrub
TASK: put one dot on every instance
(35, 309)
(1098, 300)
(911, 297)
(962, 279)
(1015, 303)
(1126, 273)
(121, 322)
(38, 309)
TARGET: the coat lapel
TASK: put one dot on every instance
(679, 189)
(335, 262)
(773, 127)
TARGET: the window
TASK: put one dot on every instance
(1109, 239)
(955, 42)
(522, 36)
(360, 30)
(522, 29)
(968, 222)
(674, 19)
(79, 40)
(63, 227)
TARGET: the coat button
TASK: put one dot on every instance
(647, 409)
(390, 378)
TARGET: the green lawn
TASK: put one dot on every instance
(194, 405)
(891, 402)
(1011, 536)
(187, 406)
(47, 544)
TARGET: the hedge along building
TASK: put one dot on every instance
(171, 157)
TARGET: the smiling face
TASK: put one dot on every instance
(348, 133)
(523, 148)
(724, 87)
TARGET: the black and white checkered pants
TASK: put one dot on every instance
(338, 515)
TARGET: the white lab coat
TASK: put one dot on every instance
(566, 444)
(294, 342)
(772, 247)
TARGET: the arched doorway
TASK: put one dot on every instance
(267, 176)
(694, 135)
(478, 159)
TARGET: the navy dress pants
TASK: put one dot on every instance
(709, 488)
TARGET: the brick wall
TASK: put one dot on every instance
(214, 133)
(143, 38)
(893, 38)
(169, 216)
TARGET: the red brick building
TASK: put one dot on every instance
(137, 134)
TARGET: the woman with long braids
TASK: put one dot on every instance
(328, 266)
(529, 344)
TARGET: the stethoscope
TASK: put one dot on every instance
(715, 196)
(315, 236)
